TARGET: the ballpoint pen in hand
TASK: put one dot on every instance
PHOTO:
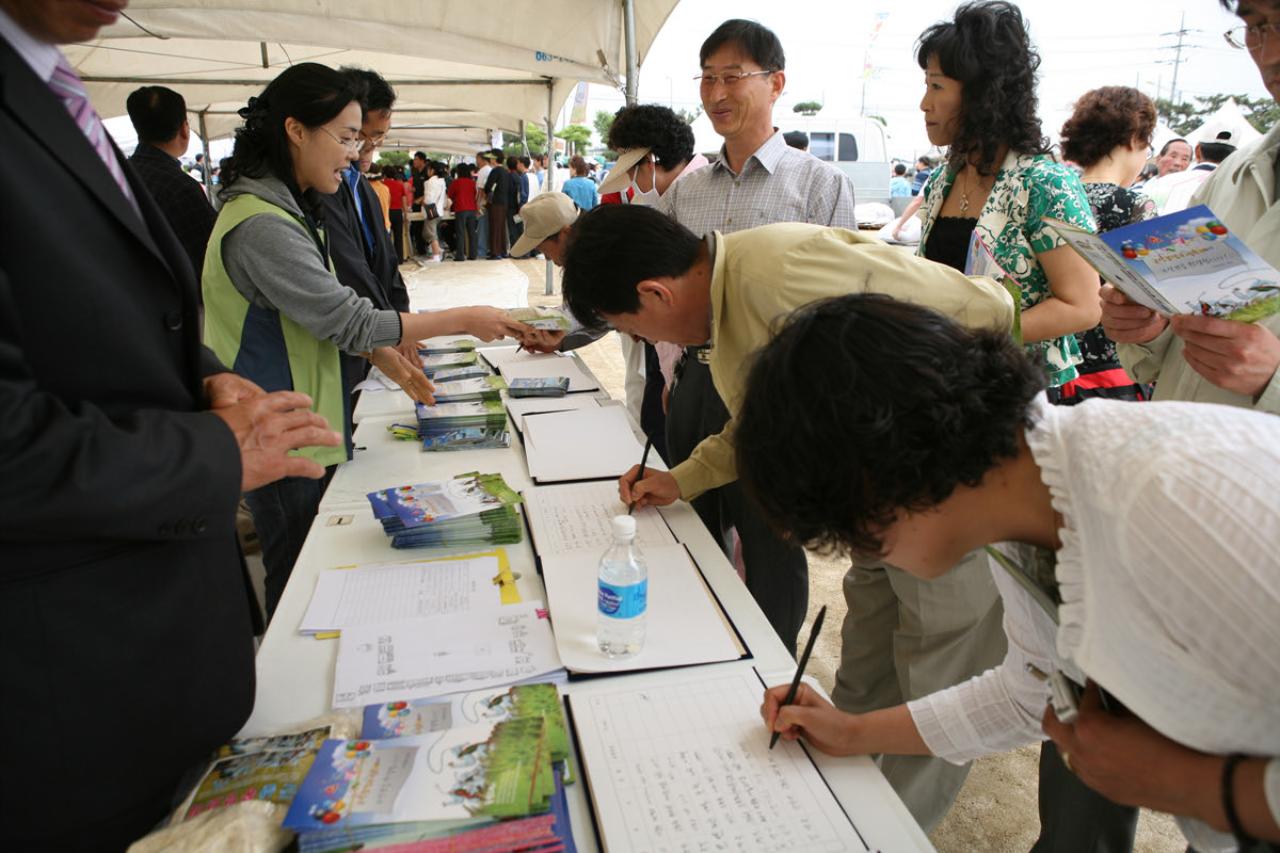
(804, 661)
(648, 445)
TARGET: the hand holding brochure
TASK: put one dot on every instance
(1187, 262)
(548, 319)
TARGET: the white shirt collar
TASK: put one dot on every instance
(41, 56)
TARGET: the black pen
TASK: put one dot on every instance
(804, 661)
(648, 445)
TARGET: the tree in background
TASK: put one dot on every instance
(534, 136)
(1183, 118)
(577, 135)
(689, 116)
(807, 108)
(602, 122)
(395, 158)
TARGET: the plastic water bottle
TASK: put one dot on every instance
(623, 594)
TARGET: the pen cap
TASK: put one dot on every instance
(624, 528)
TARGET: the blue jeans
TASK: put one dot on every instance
(464, 235)
(282, 513)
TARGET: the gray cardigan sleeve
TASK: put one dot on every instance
(274, 264)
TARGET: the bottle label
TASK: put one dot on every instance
(623, 602)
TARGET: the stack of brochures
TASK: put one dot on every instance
(470, 390)
(440, 346)
(468, 510)
(483, 770)
(262, 768)
(434, 363)
(455, 374)
(463, 426)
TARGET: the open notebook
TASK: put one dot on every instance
(685, 765)
(521, 407)
(570, 530)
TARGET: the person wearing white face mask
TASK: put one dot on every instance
(655, 148)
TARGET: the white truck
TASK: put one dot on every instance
(858, 146)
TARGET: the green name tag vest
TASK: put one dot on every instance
(313, 363)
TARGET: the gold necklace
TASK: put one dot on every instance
(964, 194)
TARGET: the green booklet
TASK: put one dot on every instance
(481, 772)
(264, 768)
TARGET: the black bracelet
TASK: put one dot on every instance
(1243, 839)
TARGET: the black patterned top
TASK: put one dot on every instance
(1113, 206)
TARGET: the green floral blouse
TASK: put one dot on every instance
(1028, 189)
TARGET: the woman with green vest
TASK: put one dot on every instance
(274, 310)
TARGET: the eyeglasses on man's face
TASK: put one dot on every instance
(730, 79)
(369, 141)
(352, 145)
(1252, 38)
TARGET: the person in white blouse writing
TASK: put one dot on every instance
(1137, 558)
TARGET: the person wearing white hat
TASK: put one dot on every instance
(1172, 192)
(655, 146)
(655, 149)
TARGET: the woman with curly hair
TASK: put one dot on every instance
(1109, 137)
(1136, 559)
(999, 182)
(655, 149)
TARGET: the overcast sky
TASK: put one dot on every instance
(1083, 43)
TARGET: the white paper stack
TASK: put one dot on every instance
(418, 658)
(391, 592)
(593, 444)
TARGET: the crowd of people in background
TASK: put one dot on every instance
(1045, 490)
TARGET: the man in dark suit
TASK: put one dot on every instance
(364, 257)
(126, 619)
(159, 117)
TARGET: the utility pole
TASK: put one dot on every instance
(1182, 32)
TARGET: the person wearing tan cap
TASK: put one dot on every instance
(547, 221)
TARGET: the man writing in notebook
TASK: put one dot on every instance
(647, 276)
(757, 179)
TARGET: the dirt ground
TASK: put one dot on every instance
(996, 809)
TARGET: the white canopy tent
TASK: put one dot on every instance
(490, 72)
(454, 71)
(1230, 117)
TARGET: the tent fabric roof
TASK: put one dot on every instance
(1229, 116)
(436, 53)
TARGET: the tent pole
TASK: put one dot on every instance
(629, 35)
(208, 160)
(549, 176)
